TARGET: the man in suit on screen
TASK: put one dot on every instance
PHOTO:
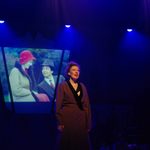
(48, 84)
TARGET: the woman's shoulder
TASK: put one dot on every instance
(63, 83)
(14, 70)
(82, 84)
(14, 73)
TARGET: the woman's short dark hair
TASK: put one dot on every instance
(69, 65)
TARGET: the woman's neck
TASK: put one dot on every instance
(73, 81)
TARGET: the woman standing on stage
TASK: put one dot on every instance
(73, 111)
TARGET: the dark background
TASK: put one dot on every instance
(114, 63)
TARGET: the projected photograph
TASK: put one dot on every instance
(33, 74)
(3, 78)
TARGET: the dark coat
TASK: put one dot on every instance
(44, 87)
(76, 122)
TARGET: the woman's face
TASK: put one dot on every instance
(74, 72)
(28, 64)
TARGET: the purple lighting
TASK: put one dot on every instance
(129, 30)
(67, 26)
(2, 21)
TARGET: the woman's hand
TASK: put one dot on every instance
(60, 128)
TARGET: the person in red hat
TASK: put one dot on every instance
(21, 82)
(26, 59)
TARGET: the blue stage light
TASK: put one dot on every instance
(2, 21)
(67, 26)
(130, 30)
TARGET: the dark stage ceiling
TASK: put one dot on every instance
(47, 16)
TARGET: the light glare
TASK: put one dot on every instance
(2, 21)
(67, 26)
(129, 30)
